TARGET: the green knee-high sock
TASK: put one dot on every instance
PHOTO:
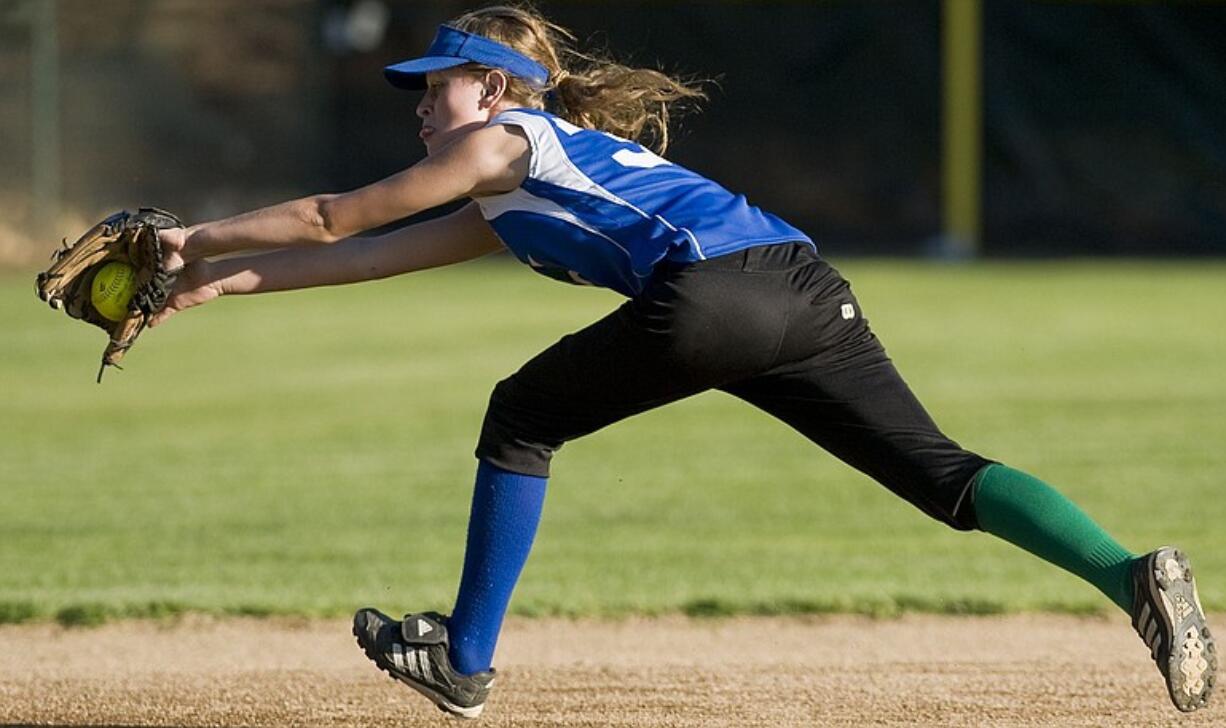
(1027, 512)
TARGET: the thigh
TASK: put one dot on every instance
(850, 400)
(598, 375)
(687, 334)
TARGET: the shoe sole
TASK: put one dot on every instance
(441, 702)
(1192, 666)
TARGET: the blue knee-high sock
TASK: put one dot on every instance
(506, 510)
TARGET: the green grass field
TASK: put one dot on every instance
(311, 452)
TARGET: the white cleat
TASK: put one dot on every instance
(1167, 614)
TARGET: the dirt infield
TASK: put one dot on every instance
(828, 671)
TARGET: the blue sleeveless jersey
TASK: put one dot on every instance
(599, 210)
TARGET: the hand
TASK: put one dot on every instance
(194, 286)
(173, 241)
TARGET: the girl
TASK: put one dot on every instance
(722, 295)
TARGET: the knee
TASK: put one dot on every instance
(513, 433)
(943, 491)
(956, 487)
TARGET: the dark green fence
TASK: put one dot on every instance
(1104, 124)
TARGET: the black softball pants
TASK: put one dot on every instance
(775, 326)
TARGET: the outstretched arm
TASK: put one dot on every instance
(487, 161)
(460, 236)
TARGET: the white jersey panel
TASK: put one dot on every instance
(519, 200)
(549, 160)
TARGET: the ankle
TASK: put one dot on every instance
(466, 659)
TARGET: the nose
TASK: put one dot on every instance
(423, 106)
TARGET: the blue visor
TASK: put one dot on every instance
(451, 48)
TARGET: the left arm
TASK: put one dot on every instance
(462, 235)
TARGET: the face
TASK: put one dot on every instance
(455, 103)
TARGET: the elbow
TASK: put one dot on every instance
(320, 216)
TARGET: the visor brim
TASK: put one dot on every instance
(411, 74)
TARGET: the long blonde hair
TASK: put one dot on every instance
(587, 90)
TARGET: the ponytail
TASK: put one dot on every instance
(629, 102)
(589, 91)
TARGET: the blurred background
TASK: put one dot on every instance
(1001, 128)
(991, 130)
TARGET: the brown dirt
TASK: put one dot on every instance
(829, 671)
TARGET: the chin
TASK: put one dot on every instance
(436, 142)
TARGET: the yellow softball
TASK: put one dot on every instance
(112, 288)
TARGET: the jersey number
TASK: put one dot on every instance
(643, 159)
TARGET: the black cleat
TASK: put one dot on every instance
(1166, 612)
(414, 651)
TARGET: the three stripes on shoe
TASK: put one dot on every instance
(413, 660)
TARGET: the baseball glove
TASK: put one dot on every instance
(125, 237)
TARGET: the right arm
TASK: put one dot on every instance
(490, 160)
(462, 235)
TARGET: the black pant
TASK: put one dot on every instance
(775, 326)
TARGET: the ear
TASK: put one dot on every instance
(494, 86)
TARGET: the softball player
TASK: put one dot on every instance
(721, 295)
